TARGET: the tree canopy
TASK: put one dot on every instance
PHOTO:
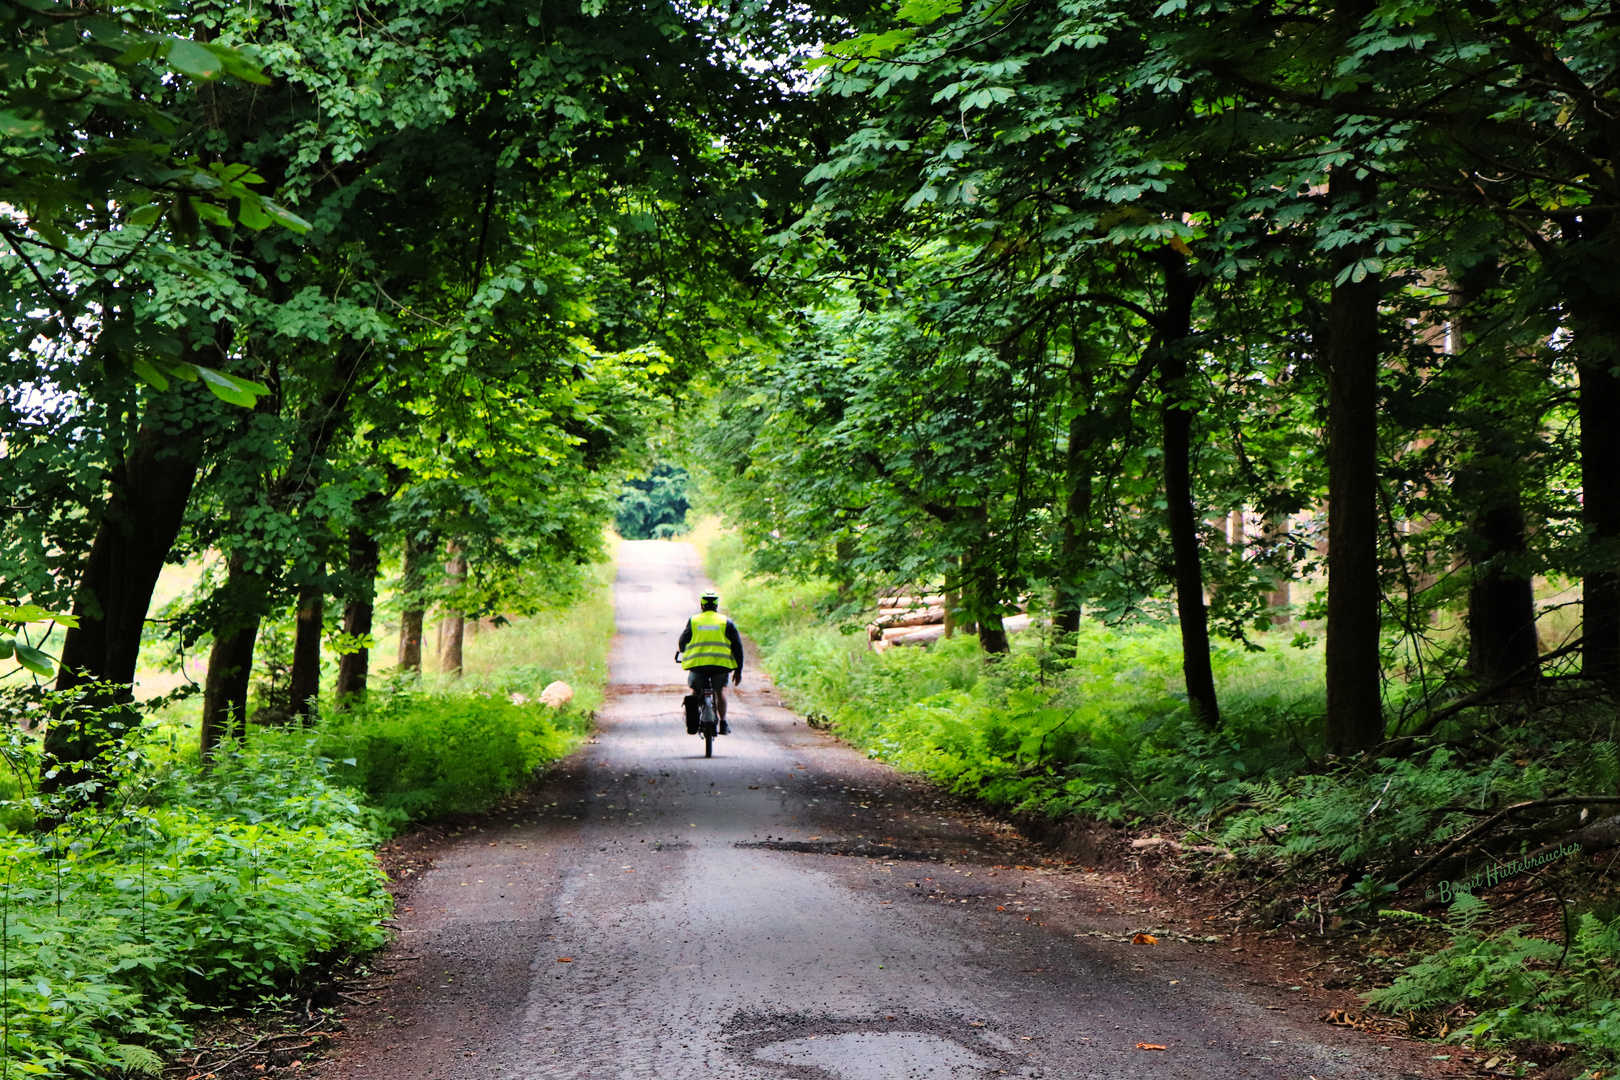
(1149, 311)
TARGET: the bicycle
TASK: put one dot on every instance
(708, 723)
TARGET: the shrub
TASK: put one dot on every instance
(421, 755)
(185, 889)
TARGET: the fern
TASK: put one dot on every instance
(139, 1059)
(1600, 771)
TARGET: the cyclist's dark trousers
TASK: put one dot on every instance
(711, 677)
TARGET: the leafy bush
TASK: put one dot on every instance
(181, 887)
(184, 889)
(422, 755)
(654, 508)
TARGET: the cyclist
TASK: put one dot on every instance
(713, 650)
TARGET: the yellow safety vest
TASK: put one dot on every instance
(708, 647)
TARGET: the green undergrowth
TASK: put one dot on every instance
(1526, 989)
(185, 891)
(1108, 735)
(195, 889)
(418, 755)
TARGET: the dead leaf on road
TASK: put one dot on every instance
(565, 959)
(1150, 1046)
(1144, 939)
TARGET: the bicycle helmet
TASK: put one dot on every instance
(710, 598)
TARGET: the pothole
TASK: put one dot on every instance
(879, 1055)
(898, 1045)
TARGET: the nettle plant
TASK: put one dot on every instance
(152, 889)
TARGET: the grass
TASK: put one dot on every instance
(569, 644)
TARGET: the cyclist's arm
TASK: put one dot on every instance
(686, 637)
(735, 639)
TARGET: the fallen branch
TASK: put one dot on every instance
(1176, 845)
(1490, 822)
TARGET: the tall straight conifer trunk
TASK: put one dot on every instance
(1355, 716)
(1502, 644)
(1169, 341)
(1074, 548)
(1599, 410)
(1594, 306)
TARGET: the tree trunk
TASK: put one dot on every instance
(1596, 326)
(453, 628)
(1175, 326)
(992, 635)
(240, 603)
(354, 667)
(410, 620)
(305, 681)
(1074, 551)
(844, 564)
(225, 687)
(1502, 640)
(142, 517)
(980, 589)
(1355, 716)
(1273, 532)
(1600, 502)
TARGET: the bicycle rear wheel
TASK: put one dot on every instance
(708, 722)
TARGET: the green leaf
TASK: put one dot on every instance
(147, 214)
(34, 660)
(7, 647)
(148, 374)
(229, 388)
(139, 1059)
(250, 212)
(27, 613)
(237, 66)
(198, 61)
(13, 126)
(927, 12)
(285, 216)
(212, 214)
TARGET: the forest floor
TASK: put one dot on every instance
(791, 908)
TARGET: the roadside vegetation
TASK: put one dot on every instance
(1262, 359)
(1316, 848)
(181, 890)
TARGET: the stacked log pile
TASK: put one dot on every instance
(917, 620)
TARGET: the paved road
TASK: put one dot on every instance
(788, 909)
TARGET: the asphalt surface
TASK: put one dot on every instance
(790, 908)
